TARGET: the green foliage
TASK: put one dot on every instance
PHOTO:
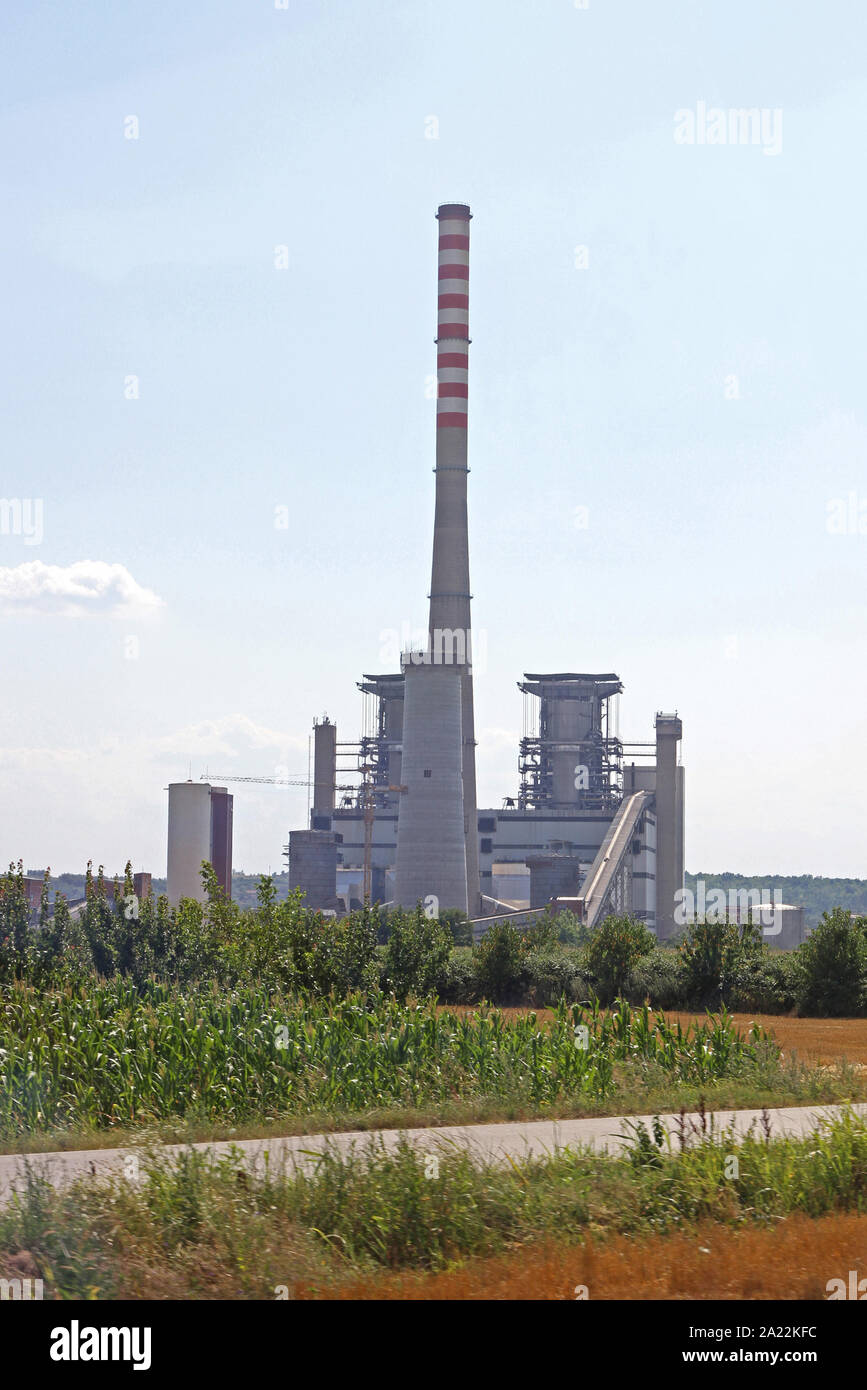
(765, 982)
(660, 979)
(416, 955)
(499, 960)
(616, 947)
(550, 975)
(711, 953)
(286, 946)
(458, 983)
(569, 929)
(458, 924)
(832, 966)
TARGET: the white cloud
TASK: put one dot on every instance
(232, 735)
(83, 589)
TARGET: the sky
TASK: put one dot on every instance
(219, 279)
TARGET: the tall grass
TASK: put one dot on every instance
(205, 1228)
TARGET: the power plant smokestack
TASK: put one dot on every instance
(437, 837)
(449, 623)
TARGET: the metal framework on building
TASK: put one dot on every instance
(600, 751)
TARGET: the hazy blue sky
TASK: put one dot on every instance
(698, 387)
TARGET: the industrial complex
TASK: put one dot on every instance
(594, 821)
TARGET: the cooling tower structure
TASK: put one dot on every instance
(427, 853)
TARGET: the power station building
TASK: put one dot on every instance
(593, 819)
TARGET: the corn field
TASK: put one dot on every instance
(113, 1054)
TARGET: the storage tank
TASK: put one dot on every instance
(189, 841)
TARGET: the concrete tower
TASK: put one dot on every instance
(431, 837)
(449, 623)
(669, 825)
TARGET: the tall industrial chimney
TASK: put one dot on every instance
(449, 624)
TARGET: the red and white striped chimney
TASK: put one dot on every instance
(453, 316)
(450, 571)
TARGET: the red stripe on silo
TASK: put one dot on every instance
(454, 301)
(454, 272)
(449, 242)
(453, 388)
(453, 359)
(453, 330)
(452, 421)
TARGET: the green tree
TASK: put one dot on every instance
(831, 966)
(417, 952)
(499, 961)
(617, 946)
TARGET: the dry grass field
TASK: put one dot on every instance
(792, 1260)
(816, 1041)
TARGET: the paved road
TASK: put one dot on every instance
(496, 1143)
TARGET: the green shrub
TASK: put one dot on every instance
(415, 956)
(458, 923)
(458, 983)
(499, 959)
(659, 979)
(831, 966)
(548, 976)
(617, 946)
(712, 953)
(765, 982)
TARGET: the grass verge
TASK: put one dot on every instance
(204, 1228)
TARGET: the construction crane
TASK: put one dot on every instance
(368, 791)
(275, 781)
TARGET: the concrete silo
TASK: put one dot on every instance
(200, 829)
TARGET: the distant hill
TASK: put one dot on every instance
(814, 894)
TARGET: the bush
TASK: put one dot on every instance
(831, 966)
(458, 923)
(614, 951)
(765, 982)
(569, 930)
(499, 960)
(458, 983)
(712, 953)
(325, 955)
(415, 956)
(658, 979)
(548, 975)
